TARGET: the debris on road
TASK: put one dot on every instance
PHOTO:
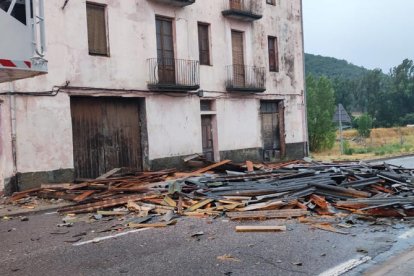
(294, 189)
(260, 228)
(228, 257)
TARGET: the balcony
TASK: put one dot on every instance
(173, 75)
(242, 78)
(245, 10)
(177, 3)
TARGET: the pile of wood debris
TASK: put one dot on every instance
(247, 191)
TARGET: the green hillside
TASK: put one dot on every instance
(332, 68)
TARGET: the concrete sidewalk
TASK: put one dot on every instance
(401, 265)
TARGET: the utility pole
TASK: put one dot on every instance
(340, 129)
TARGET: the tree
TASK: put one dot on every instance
(364, 125)
(321, 108)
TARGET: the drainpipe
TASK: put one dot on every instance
(12, 99)
(305, 109)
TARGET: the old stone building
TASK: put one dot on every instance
(143, 83)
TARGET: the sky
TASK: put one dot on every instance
(369, 33)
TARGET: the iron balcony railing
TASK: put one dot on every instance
(246, 78)
(173, 74)
(180, 3)
(243, 9)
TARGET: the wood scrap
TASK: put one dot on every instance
(267, 214)
(260, 228)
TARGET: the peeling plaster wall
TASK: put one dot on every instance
(44, 136)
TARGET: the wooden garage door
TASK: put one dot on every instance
(106, 135)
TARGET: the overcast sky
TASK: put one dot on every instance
(370, 33)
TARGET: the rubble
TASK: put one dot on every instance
(294, 189)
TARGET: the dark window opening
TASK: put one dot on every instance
(206, 105)
(204, 43)
(271, 2)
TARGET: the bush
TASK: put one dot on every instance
(347, 148)
(364, 125)
(321, 108)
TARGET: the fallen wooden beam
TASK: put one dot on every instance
(200, 204)
(83, 196)
(267, 214)
(63, 186)
(260, 228)
(92, 207)
(263, 205)
(206, 169)
(109, 174)
(20, 195)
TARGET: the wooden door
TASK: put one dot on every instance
(106, 135)
(207, 137)
(165, 51)
(238, 59)
(270, 125)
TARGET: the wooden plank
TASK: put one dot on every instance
(249, 165)
(92, 207)
(262, 205)
(20, 195)
(169, 201)
(212, 166)
(109, 174)
(267, 214)
(112, 213)
(84, 196)
(56, 186)
(320, 201)
(328, 227)
(200, 204)
(260, 228)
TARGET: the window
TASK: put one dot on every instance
(97, 34)
(273, 54)
(204, 43)
(271, 2)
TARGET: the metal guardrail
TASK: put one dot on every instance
(174, 73)
(245, 78)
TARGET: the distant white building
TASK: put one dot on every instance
(143, 83)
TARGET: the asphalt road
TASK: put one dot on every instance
(39, 247)
(33, 247)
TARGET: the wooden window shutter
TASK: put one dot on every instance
(97, 35)
(204, 44)
(273, 54)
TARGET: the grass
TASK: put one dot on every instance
(383, 142)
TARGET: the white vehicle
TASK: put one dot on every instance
(22, 39)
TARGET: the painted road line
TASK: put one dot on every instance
(407, 234)
(95, 240)
(346, 266)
